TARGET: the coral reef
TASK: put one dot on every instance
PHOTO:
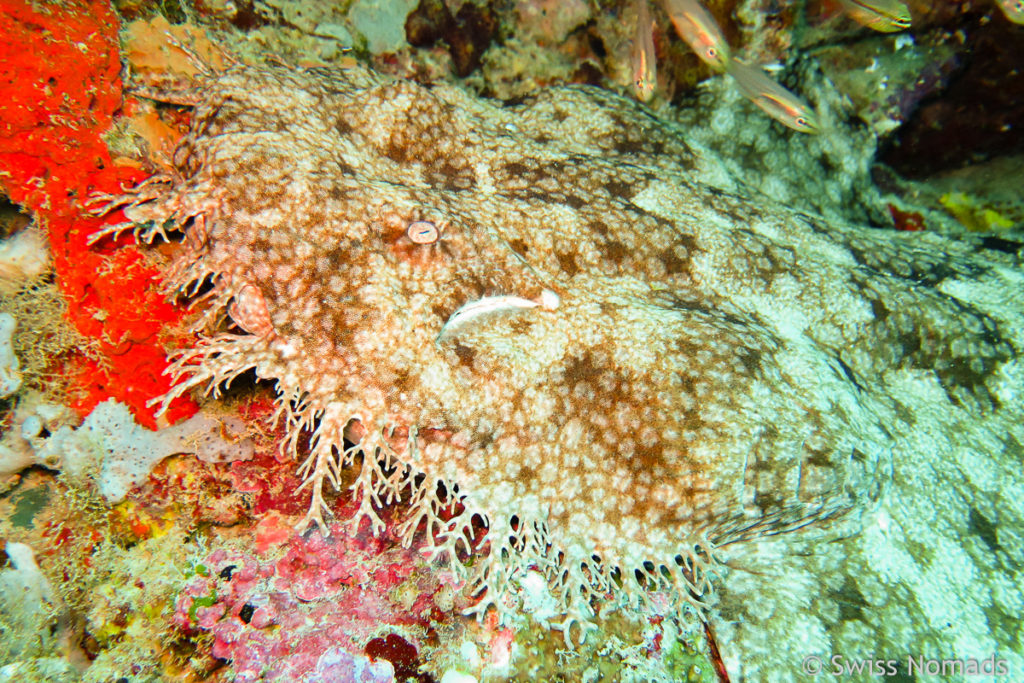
(32, 417)
(546, 319)
(981, 111)
(381, 23)
(287, 614)
(791, 346)
(110, 447)
(10, 367)
(122, 454)
(54, 156)
(886, 78)
(44, 336)
(27, 605)
(24, 256)
(468, 33)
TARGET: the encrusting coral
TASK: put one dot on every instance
(651, 371)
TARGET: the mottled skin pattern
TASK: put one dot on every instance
(719, 372)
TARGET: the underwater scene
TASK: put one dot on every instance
(462, 341)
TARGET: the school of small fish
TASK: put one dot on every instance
(695, 25)
(698, 28)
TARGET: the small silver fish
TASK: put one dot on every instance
(886, 16)
(643, 62)
(1013, 9)
(494, 305)
(698, 28)
(776, 101)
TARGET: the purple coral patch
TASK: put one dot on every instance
(338, 665)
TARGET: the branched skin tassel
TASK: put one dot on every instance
(713, 372)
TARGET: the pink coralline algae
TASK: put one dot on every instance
(307, 614)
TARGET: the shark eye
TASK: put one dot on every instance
(423, 232)
(712, 53)
(801, 121)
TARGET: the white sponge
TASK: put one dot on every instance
(127, 452)
(10, 369)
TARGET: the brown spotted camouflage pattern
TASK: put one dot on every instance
(719, 370)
